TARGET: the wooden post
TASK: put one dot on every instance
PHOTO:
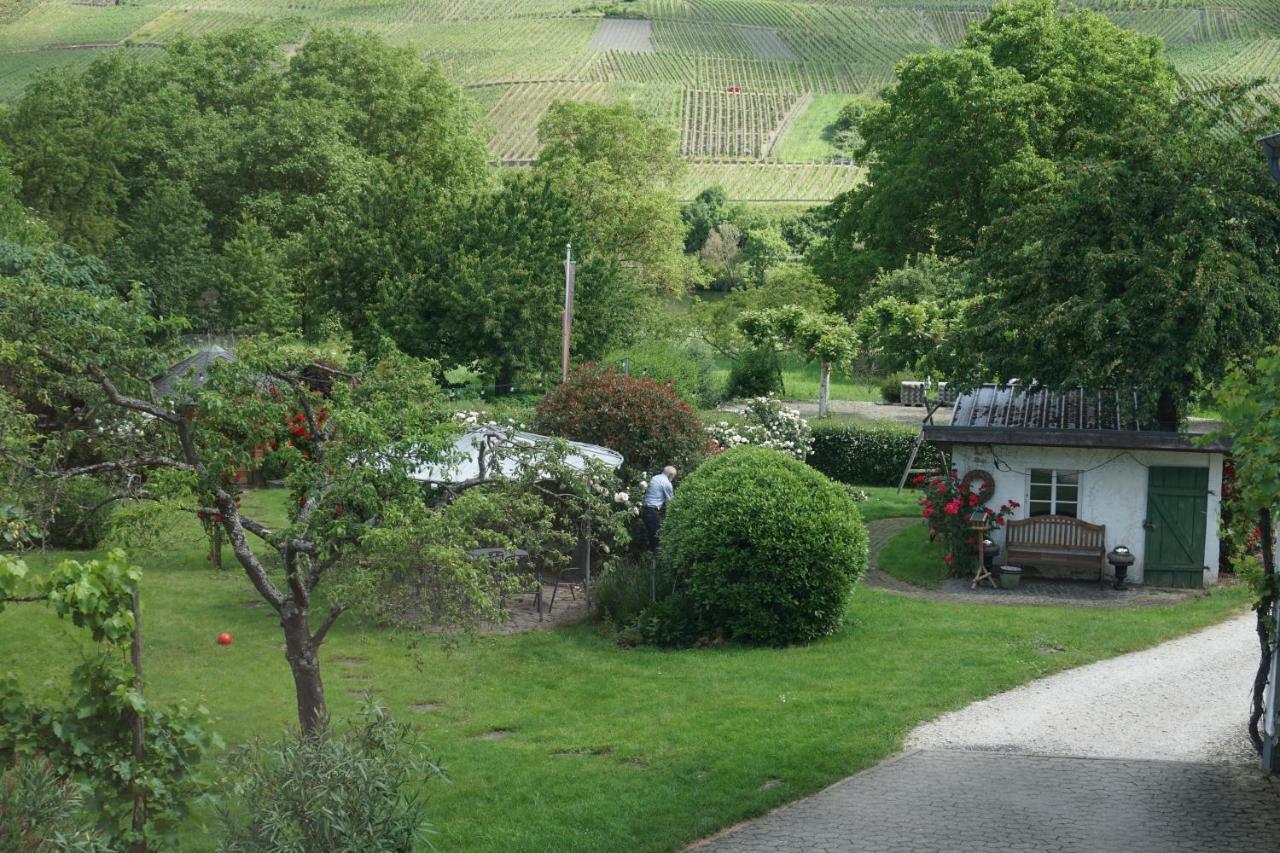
(139, 793)
(570, 269)
(824, 387)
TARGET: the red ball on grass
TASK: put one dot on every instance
(224, 639)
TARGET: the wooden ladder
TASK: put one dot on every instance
(930, 408)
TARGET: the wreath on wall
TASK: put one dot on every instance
(985, 483)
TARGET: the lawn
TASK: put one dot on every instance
(600, 748)
(888, 502)
(911, 557)
(806, 138)
(800, 381)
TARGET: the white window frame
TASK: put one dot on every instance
(1053, 490)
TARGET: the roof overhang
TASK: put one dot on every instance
(1086, 438)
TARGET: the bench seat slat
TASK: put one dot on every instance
(1057, 540)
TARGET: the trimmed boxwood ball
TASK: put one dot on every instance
(768, 548)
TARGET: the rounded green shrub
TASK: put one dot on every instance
(80, 516)
(755, 373)
(646, 422)
(768, 548)
(891, 387)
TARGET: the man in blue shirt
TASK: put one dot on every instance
(655, 501)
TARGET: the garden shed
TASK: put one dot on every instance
(1087, 455)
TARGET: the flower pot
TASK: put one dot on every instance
(1009, 577)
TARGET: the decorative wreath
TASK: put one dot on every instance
(986, 484)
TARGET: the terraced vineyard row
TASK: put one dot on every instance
(728, 124)
(770, 182)
(738, 79)
(515, 114)
(701, 72)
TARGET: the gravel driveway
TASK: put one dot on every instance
(1184, 700)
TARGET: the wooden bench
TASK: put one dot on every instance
(1057, 541)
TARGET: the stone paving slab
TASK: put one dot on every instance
(975, 802)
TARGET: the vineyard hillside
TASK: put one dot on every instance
(750, 86)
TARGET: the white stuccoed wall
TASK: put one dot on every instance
(1113, 493)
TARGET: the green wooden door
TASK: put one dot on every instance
(1177, 501)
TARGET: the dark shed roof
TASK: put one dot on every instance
(194, 368)
(1075, 417)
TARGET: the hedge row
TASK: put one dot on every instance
(867, 455)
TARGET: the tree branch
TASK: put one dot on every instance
(334, 612)
(132, 403)
(124, 465)
(297, 587)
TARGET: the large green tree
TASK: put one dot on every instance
(617, 165)
(158, 165)
(963, 133)
(476, 279)
(1150, 267)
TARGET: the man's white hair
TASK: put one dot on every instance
(670, 471)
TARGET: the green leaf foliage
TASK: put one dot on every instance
(85, 728)
(340, 792)
(865, 455)
(646, 422)
(766, 547)
(961, 132)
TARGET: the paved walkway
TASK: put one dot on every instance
(1062, 765)
(976, 802)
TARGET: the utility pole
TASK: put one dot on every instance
(570, 269)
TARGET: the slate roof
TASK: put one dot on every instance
(1069, 417)
(193, 368)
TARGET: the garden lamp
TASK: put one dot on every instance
(1120, 558)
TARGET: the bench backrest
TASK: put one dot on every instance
(1056, 531)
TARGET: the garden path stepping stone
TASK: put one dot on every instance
(425, 707)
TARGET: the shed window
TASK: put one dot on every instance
(1054, 492)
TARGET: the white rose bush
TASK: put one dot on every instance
(766, 422)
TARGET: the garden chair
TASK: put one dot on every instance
(569, 576)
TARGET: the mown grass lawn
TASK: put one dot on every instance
(604, 749)
(911, 557)
(888, 502)
(800, 381)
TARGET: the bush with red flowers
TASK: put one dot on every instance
(957, 516)
(647, 422)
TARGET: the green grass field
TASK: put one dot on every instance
(800, 381)
(599, 748)
(911, 557)
(750, 85)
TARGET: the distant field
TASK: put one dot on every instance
(750, 86)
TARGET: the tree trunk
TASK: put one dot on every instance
(1266, 613)
(505, 382)
(824, 387)
(1167, 415)
(305, 665)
